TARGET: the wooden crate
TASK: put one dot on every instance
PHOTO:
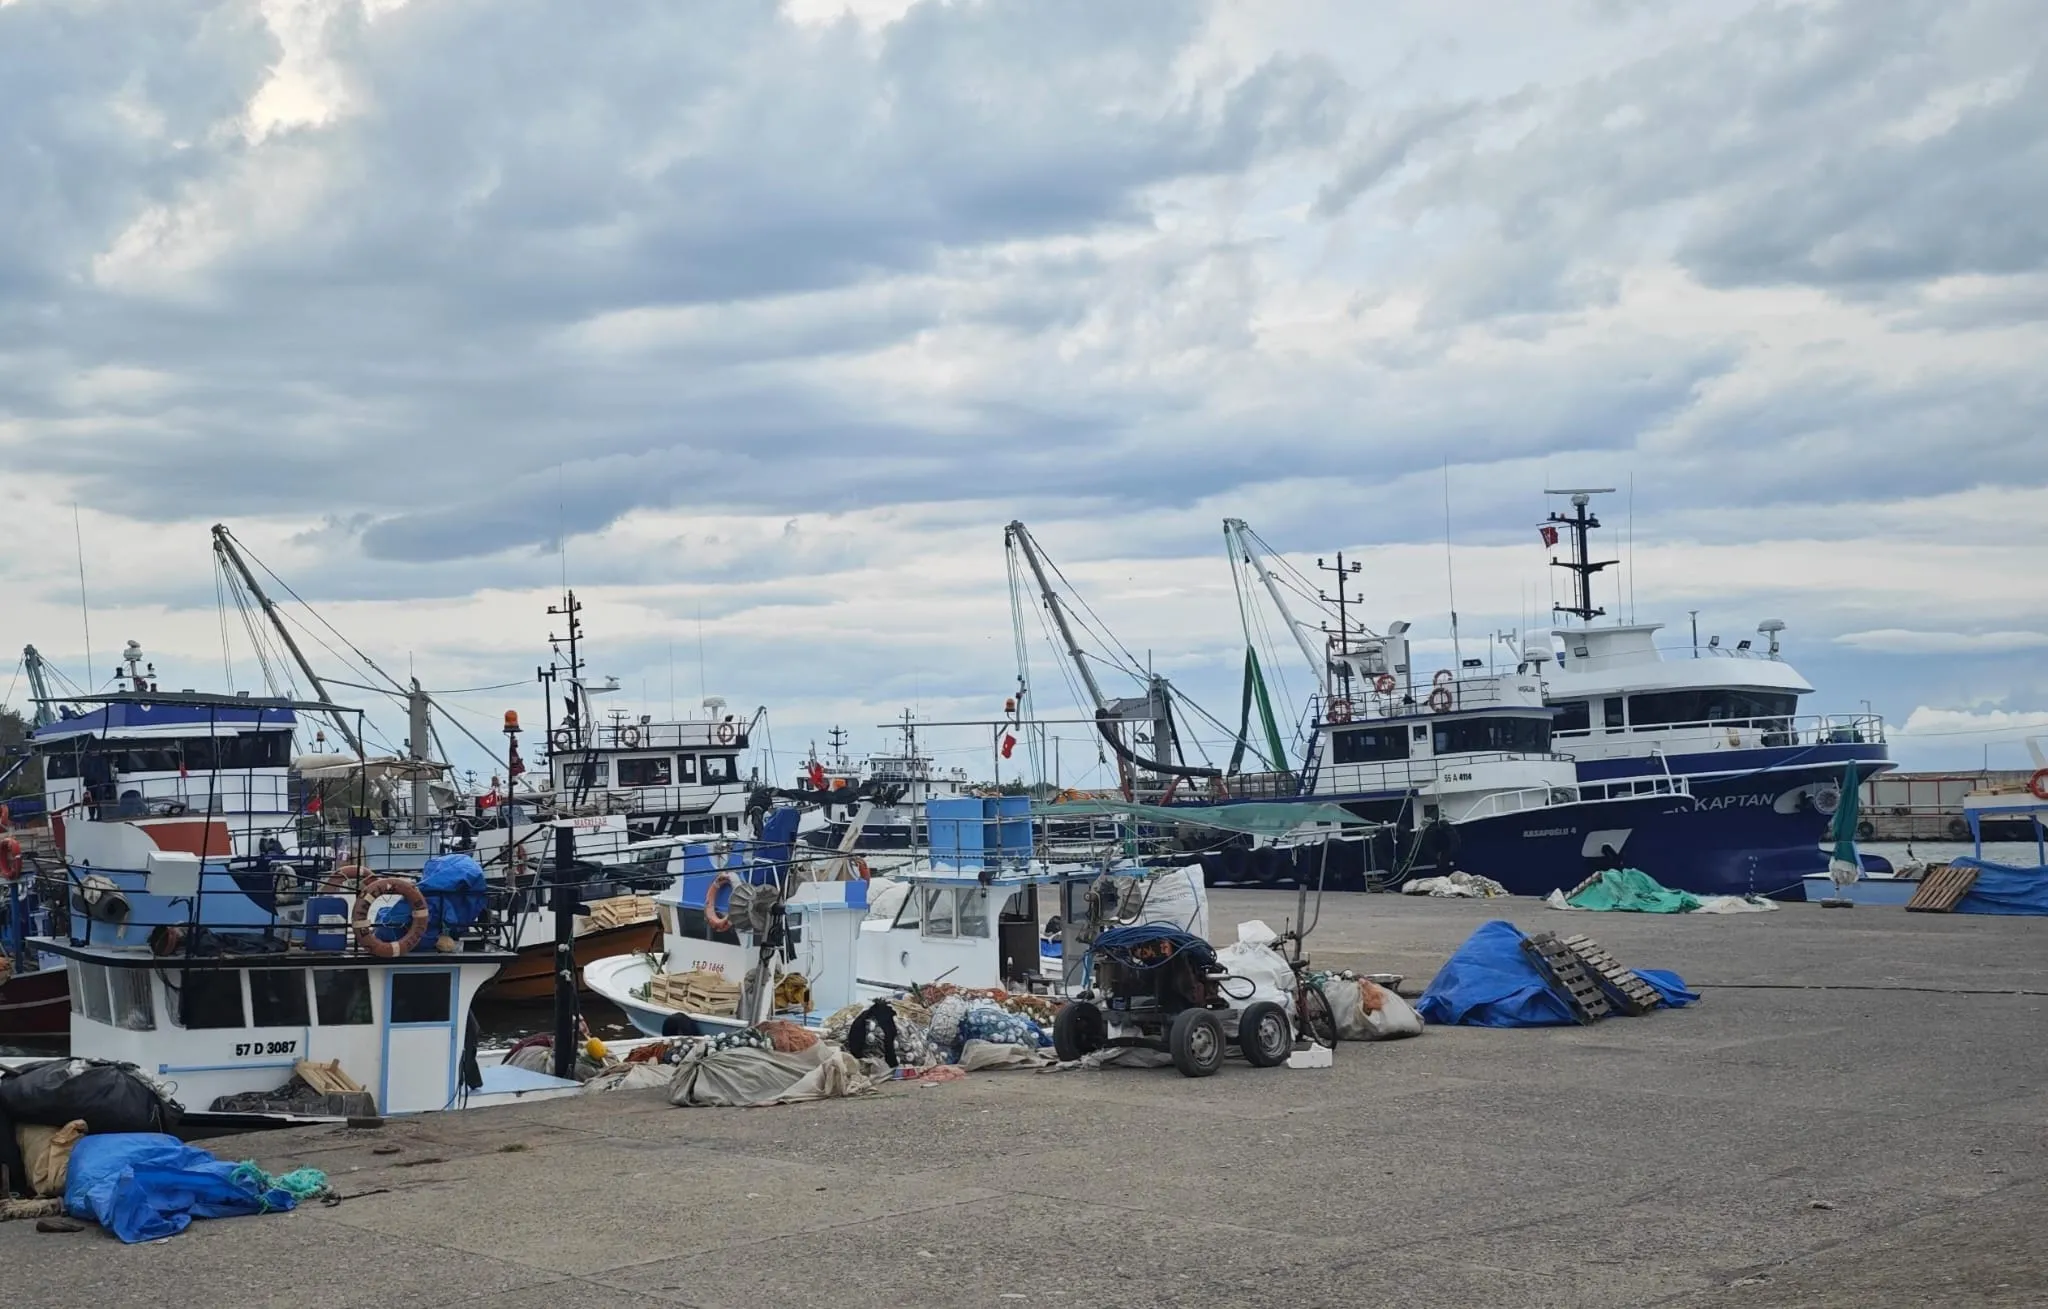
(1941, 890)
(698, 991)
(1625, 990)
(619, 911)
(327, 1077)
(1567, 976)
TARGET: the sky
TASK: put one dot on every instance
(756, 322)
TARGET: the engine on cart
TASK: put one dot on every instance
(1160, 988)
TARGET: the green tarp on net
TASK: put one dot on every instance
(1251, 817)
(1631, 890)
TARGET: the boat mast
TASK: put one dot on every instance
(1240, 540)
(224, 546)
(1582, 568)
(1016, 536)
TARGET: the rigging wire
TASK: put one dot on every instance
(220, 604)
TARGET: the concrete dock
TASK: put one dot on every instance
(1882, 1141)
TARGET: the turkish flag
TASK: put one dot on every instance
(1549, 534)
(1009, 744)
(817, 776)
(313, 802)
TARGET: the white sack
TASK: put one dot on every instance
(1264, 967)
(1179, 897)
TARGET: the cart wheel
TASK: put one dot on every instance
(1196, 1042)
(1078, 1029)
(1318, 1023)
(1264, 1034)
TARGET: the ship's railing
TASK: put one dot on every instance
(1744, 733)
(1406, 774)
(699, 735)
(1530, 798)
(1409, 700)
(228, 794)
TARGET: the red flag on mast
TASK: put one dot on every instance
(1549, 534)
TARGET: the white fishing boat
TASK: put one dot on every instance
(968, 912)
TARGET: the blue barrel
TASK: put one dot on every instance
(327, 923)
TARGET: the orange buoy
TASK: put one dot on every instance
(366, 935)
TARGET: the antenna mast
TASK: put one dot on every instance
(1581, 567)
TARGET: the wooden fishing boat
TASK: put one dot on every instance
(531, 973)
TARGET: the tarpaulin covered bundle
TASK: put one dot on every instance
(743, 1075)
(453, 885)
(142, 1186)
(1631, 890)
(1490, 982)
(108, 1096)
(2003, 888)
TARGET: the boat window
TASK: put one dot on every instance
(198, 753)
(721, 768)
(60, 763)
(644, 772)
(1573, 716)
(1713, 704)
(341, 996)
(210, 997)
(598, 774)
(93, 978)
(1459, 736)
(419, 997)
(1614, 721)
(277, 997)
(686, 768)
(134, 1006)
(252, 750)
(1358, 745)
(907, 914)
(77, 985)
(939, 905)
(972, 910)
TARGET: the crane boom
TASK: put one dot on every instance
(1240, 538)
(224, 546)
(39, 686)
(1016, 535)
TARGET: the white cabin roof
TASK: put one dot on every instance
(1624, 658)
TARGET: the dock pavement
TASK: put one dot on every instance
(1855, 1115)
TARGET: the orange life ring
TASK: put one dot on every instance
(713, 919)
(2037, 785)
(1443, 677)
(10, 859)
(1339, 711)
(860, 866)
(1218, 790)
(1440, 699)
(366, 935)
(726, 733)
(343, 880)
(1384, 683)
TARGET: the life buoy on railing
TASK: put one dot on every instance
(2037, 785)
(1444, 677)
(10, 859)
(1384, 683)
(629, 737)
(365, 930)
(713, 919)
(1339, 710)
(860, 866)
(1440, 699)
(726, 733)
(561, 738)
(1218, 790)
(342, 881)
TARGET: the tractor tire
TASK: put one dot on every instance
(1077, 1029)
(1264, 1034)
(1196, 1042)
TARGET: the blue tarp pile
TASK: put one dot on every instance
(2004, 888)
(142, 1186)
(1490, 982)
(453, 885)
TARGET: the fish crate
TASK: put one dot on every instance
(618, 911)
(699, 991)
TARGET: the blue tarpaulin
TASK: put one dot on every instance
(1490, 982)
(141, 1186)
(453, 885)
(2004, 888)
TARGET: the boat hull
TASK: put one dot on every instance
(531, 974)
(615, 979)
(36, 1006)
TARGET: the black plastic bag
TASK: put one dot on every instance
(13, 1170)
(110, 1097)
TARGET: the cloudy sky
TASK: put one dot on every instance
(757, 322)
